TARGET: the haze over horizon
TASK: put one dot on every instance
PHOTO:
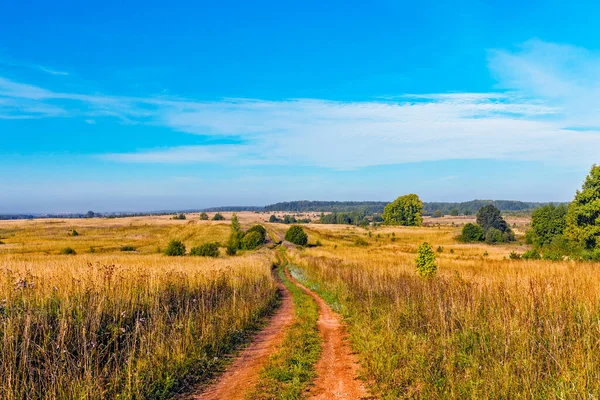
(136, 107)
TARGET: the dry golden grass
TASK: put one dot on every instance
(115, 325)
(484, 327)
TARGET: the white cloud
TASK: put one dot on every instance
(548, 93)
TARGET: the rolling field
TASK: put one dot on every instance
(107, 323)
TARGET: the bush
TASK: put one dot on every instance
(68, 250)
(440, 249)
(437, 214)
(361, 242)
(1, 242)
(180, 216)
(218, 217)
(471, 233)
(296, 235)
(127, 248)
(204, 216)
(591, 255)
(532, 254)
(74, 233)
(260, 229)
(175, 249)
(252, 240)
(318, 243)
(206, 250)
(514, 256)
(230, 250)
(426, 266)
(493, 235)
(553, 256)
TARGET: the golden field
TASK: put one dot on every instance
(109, 324)
(484, 327)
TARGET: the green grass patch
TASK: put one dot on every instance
(290, 371)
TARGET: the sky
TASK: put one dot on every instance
(138, 106)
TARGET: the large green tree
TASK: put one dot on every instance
(547, 223)
(405, 210)
(490, 217)
(583, 216)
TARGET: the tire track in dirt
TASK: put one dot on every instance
(243, 374)
(337, 370)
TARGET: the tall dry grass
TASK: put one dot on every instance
(122, 326)
(485, 327)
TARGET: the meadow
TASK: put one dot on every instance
(485, 327)
(110, 324)
(119, 319)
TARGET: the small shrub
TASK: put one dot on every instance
(426, 266)
(127, 248)
(361, 242)
(231, 250)
(296, 235)
(451, 251)
(74, 233)
(1, 242)
(532, 254)
(593, 255)
(318, 243)
(514, 256)
(553, 256)
(440, 249)
(175, 249)
(252, 240)
(92, 249)
(218, 217)
(260, 230)
(485, 253)
(206, 250)
(180, 216)
(68, 251)
(493, 235)
(204, 216)
(471, 233)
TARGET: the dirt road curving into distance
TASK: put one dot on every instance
(242, 375)
(337, 370)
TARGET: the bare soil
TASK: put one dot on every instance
(242, 375)
(337, 370)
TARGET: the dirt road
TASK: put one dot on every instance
(337, 370)
(242, 375)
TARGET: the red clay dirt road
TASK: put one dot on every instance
(242, 375)
(337, 370)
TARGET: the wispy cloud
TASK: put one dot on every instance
(7, 61)
(546, 110)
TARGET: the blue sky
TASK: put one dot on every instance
(141, 106)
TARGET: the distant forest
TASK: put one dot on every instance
(372, 207)
(362, 207)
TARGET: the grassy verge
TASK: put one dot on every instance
(291, 369)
